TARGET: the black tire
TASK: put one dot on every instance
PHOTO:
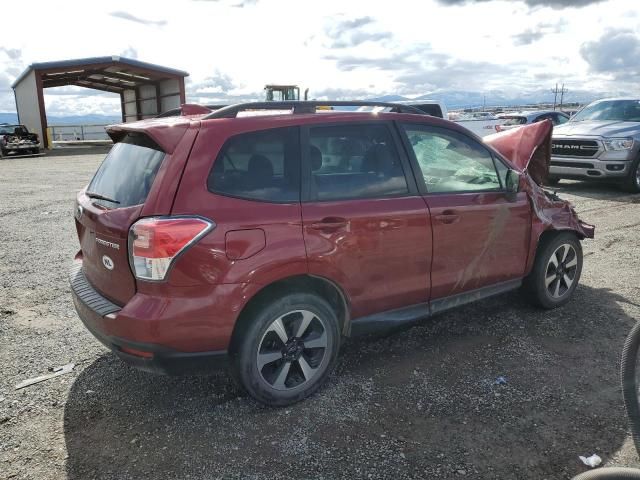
(632, 182)
(559, 291)
(3, 153)
(628, 377)
(553, 181)
(611, 473)
(35, 151)
(260, 338)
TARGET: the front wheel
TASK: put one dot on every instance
(287, 349)
(632, 182)
(556, 271)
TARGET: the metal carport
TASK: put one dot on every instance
(145, 89)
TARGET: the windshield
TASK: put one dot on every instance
(612, 110)
(12, 129)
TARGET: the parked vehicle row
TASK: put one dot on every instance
(261, 242)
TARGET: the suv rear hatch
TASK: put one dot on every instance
(137, 178)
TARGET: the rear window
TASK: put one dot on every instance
(354, 161)
(514, 120)
(262, 165)
(127, 172)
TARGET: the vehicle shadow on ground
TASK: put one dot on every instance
(423, 403)
(595, 191)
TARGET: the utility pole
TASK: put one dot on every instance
(562, 92)
(555, 92)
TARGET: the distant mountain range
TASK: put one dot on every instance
(452, 99)
(463, 99)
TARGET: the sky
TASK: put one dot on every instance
(338, 49)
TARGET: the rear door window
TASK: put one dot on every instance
(127, 172)
(354, 161)
(262, 165)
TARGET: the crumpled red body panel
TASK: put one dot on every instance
(528, 148)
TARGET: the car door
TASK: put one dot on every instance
(365, 225)
(480, 233)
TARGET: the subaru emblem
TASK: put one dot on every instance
(107, 262)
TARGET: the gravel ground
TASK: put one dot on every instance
(422, 403)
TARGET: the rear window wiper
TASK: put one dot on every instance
(99, 196)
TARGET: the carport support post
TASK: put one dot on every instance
(122, 110)
(183, 97)
(158, 100)
(43, 113)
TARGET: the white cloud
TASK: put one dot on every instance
(334, 47)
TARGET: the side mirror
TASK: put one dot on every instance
(512, 183)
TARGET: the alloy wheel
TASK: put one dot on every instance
(293, 350)
(561, 271)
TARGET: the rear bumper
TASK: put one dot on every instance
(97, 312)
(589, 168)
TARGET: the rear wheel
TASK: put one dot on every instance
(287, 349)
(556, 270)
(632, 182)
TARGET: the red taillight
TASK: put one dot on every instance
(498, 128)
(155, 242)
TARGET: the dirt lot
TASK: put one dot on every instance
(423, 403)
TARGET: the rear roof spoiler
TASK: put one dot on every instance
(165, 132)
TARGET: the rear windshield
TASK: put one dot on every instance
(514, 120)
(127, 173)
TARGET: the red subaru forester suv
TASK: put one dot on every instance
(261, 241)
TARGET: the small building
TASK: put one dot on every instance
(145, 89)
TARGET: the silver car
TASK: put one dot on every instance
(515, 119)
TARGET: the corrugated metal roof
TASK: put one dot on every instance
(81, 62)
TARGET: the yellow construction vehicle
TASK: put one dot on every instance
(283, 93)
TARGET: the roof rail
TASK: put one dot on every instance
(299, 107)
